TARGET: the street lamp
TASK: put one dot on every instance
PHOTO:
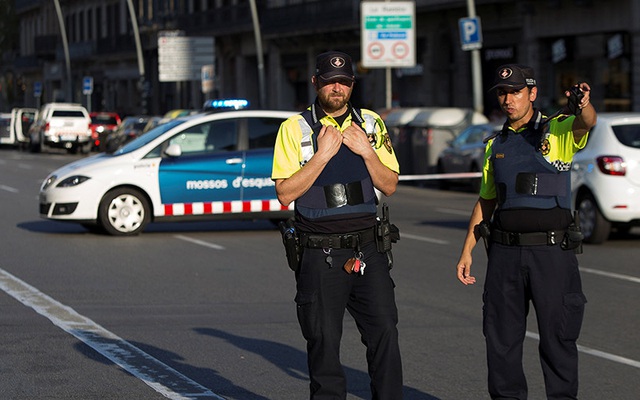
(65, 45)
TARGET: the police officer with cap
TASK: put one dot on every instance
(330, 160)
(524, 213)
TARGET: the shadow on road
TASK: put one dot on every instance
(293, 362)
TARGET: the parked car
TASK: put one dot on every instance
(5, 128)
(177, 113)
(605, 177)
(198, 167)
(129, 129)
(152, 123)
(102, 124)
(21, 121)
(61, 125)
(465, 154)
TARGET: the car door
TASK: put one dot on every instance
(22, 120)
(260, 134)
(208, 168)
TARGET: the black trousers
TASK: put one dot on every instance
(548, 278)
(324, 292)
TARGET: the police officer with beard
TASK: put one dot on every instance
(330, 160)
(524, 213)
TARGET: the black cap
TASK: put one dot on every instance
(334, 64)
(514, 76)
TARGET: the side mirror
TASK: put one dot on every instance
(174, 150)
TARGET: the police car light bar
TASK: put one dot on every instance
(221, 104)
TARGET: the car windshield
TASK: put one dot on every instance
(147, 137)
(628, 135)
(68, 114)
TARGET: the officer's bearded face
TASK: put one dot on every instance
(334, 95)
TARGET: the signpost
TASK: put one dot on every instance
(470, 33)
(37, 91)
(181, 58)
(388, 36)
(471, 39)
(207, 73)
(87, 89)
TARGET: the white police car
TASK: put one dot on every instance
(215, 165)
(605, 177)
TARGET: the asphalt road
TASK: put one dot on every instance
(205, 310)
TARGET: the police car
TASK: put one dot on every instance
(215, 165)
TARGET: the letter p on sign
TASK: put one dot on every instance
(470, 33)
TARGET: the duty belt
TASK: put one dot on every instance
(527, 239)
(337, 241)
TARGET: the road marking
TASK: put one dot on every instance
(597, 353)
(610, 274)
(8, 188)
(200, 242)
(159, 376)
(422, 238)
(466, 213)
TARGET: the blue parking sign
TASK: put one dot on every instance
(470, 33)
(87, 85)
(37, 89)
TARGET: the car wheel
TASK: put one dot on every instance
(124, 212)
(594, 226)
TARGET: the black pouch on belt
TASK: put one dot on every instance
(291, 240)
(386, 232)
(573, 238)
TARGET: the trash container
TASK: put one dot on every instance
(430, 131)
(397, 121)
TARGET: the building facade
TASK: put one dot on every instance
(564, 40)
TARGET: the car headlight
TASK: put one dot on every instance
(72, 181)
(49, 181)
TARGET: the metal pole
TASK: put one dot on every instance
(476, 67)
(388, 87)
(136, 36)
(256, 31)
(65, 45)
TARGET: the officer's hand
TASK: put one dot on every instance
(329, 141)
(585, 90)
(356, 140)
(464, 270)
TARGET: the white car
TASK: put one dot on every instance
(61, 125)
(192, 168)
(605, 177)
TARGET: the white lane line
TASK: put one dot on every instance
(466, 213)
(610, 274)
(159, 376)
(200, 242)
(422, 238)
(9, 188)
(597, 353)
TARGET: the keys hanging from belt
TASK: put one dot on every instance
(355, 264)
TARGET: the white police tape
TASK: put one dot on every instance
(460, 175)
